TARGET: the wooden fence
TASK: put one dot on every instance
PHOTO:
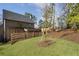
(24, 35)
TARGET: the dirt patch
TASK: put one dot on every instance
(68, 34)
(73, 37)
(45, 43)
(60, 34)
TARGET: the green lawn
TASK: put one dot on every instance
(30, 48)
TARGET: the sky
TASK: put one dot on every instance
(33, 8)
(59, 8)
(21, 8)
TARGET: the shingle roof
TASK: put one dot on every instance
(15, 16)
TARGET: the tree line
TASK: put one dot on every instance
(72, 16)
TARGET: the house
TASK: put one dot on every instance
(13, 23)
(1, 31)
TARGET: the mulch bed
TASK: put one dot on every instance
(73, 37)
(68, 34)
(45, 43)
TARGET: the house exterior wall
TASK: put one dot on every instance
(16, 17)
(1, 33)
(15, 22)
(15, 26)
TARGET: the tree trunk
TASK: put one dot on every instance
(74, 27)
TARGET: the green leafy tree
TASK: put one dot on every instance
(73, 14)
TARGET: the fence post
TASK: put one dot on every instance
(33, 34)
(11, 37)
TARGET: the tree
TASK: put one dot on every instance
(32, 17)
(47, 13)
(53, 14)
(40, 23)
(73, 15)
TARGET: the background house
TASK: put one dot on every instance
(14, 22)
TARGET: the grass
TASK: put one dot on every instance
(30, 48)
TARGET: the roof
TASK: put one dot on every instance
(15, 16)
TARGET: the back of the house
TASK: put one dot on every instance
(12, 23)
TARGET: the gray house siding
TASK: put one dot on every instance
(15, 16)
(18, 24)
(1, 33)
(14, 22)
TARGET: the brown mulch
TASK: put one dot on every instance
(73, 37)
(45, 43)
(60, 34)
(68, 34)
